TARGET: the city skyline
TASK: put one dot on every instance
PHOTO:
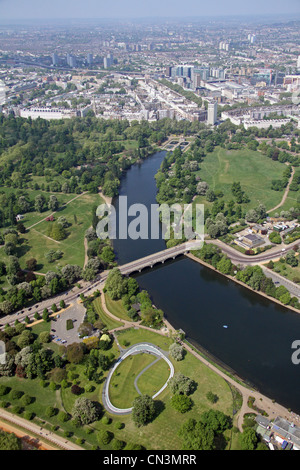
(34, 9)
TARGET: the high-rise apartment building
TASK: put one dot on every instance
(212, 111)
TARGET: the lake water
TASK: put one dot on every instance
(256, 344)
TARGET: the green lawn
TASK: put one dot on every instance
(109, 322)
(116, 308)
(36, 242)
(133, 336)
(122, 391)
(153, 378)
(287, 271)
(252, 169)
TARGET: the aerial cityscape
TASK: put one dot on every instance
(149, 228)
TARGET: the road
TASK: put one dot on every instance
(239, 258)
(293, 288)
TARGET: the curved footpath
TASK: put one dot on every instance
(136, 349)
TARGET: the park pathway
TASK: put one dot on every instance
(286, 192)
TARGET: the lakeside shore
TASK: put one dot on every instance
(232, 278)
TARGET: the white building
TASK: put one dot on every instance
(212, 113)
(265, 123)
(47, 113)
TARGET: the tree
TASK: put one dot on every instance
(44, 337)
(107, 255)
(89, 274)
(212, 397)
(181, 403)
(210, 195)
(116, 284)
(75, 353)
(104, 437)
(248, 439)
(143, 410)
(53, 203)
(86, 411)
(23, 204)
(39, 203)
(197, 436)
(63, 221)
(275, 237)
(31, 264)
(9, 441)
(71, 273)
(224, 265)
(151, 316)
(202, 188)
(57, 231)
(291, 259)
(176, 351)
(53, 255)
(252, 216)
(181, 384)
(216, 420)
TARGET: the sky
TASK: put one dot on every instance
(62, 9)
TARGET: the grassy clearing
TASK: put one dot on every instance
(109, 322)
(122, 391)
(153, 378)
(133, 336)
(253, 170)
(36, 242)
(116, 308)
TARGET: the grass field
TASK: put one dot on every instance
(122, 391)
(153, 378)
(252, 169)
(109, 322)
(116, 308)
(36, 242)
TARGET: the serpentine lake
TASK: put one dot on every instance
(257, 343)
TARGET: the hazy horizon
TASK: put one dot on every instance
(134, 9)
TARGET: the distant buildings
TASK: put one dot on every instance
(108, 61)
(55, 59)
(256, 117)
(90, 59)
(224, 46)
(71, 60)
